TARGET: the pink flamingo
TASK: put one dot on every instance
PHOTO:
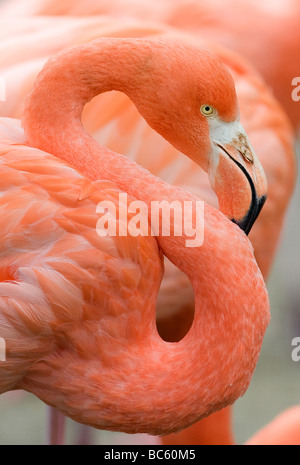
(89, 345)
(263, 120)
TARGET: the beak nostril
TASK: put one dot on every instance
(247, 155)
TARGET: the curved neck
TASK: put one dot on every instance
(220, 352)
(52, 116)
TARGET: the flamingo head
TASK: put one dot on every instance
(190, 99)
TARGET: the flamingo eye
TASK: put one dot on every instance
(207, 110)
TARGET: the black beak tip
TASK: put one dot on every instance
(248, 221)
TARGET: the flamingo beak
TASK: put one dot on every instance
(257, 201)
(239, 180)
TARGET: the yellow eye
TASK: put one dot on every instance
(207, 110)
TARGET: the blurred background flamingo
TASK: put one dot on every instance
(101, 124)
(266, 33)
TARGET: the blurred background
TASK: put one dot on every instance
(276, 382)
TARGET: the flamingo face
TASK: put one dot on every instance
(191, 101)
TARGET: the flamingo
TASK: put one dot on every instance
(252, 28)
(280, 170)
(77, 311)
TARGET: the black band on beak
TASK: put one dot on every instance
(256, 203)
